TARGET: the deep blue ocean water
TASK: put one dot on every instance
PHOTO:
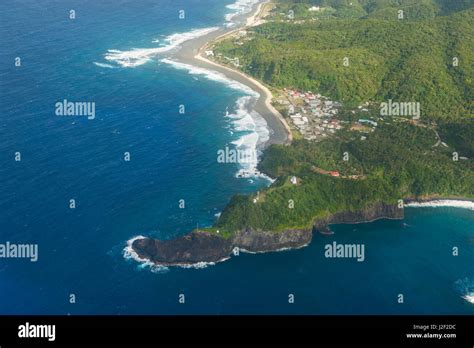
(173, 157)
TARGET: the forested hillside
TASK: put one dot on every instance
(426, 61)
(396, 162)
(413, 9)
(358, 51)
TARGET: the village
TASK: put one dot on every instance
(315, 117)
(311, 114)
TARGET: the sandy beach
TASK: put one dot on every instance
(191, 53)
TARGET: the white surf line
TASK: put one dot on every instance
(469, 298)
(239, 7)
(129, 253)
(442, 203)
(139, 56)
(211, 75)
(243, 120)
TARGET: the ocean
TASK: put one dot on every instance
(116, 54)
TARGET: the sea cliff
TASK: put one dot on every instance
(200, 246)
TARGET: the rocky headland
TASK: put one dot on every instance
(201, 246)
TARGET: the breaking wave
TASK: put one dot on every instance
(253, 128)
(255, 135)
(129, 253)
(104, 65)
(139, 56)
(465, 287)
(212, 75)
(442, 203)
(238, 8)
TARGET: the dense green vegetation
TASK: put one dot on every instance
(388, 59)
(460, 134)
(398, 160)
(408, 60)
(386, 9)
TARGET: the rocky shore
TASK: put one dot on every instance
(199, 246)
(375, 212)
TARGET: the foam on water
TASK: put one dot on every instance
(442, 203)
(465, 287)
(129, 253)
(202, 264)
(238, 8)
(211, 75)
(104, 65)
(256, 134)
(469, 298)
(273, 251)
(139, 56)
(251, 124)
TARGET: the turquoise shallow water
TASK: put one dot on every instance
(173, 158)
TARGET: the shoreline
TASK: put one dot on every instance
(191, 53)
(200, 247)
(440, 202)
(145, 252)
